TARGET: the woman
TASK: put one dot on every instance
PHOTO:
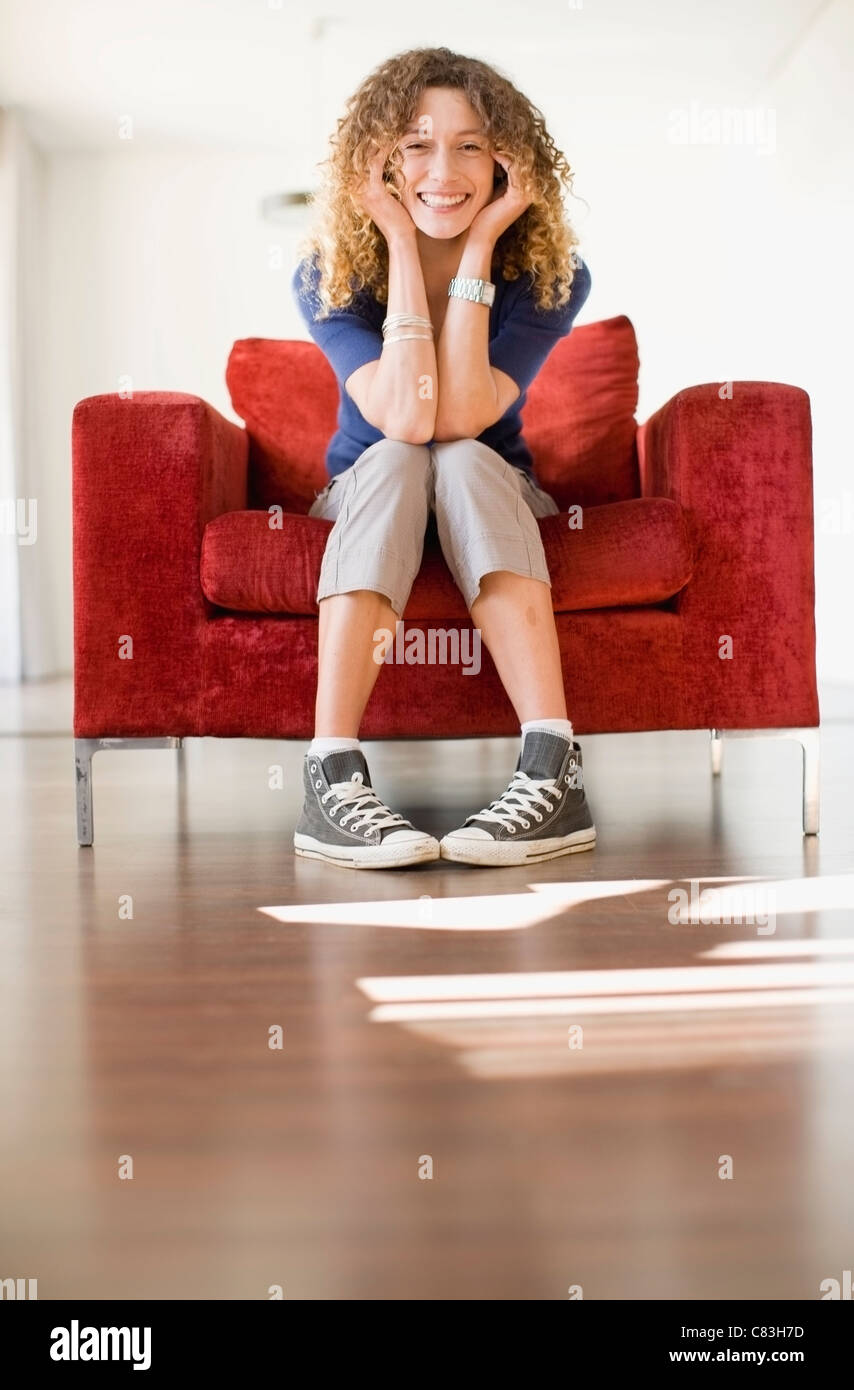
(437, 279)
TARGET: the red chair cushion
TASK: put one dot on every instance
(579, 416)
(578, 419)
(626, 554)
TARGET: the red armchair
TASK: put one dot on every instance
(681, 562)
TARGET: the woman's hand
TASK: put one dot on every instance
(372, 196)
(507, 203)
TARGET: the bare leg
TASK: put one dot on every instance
(516, 620)
(347, 671)
(515, 616)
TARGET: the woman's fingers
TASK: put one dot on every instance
(379, 199)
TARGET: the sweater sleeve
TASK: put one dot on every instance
(528, 334)
(348, 338)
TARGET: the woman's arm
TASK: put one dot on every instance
(473, 394)
(398, 393)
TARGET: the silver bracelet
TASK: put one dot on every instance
(401, 337)
(416, 326)
(399, 320)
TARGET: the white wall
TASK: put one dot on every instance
(10, 423)
(801, 232)
(33, 608)
(731, 263)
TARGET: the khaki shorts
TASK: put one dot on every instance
(485, 510)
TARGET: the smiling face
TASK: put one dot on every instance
(448, 169)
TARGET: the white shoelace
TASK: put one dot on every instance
(366, 809)
(525, 791)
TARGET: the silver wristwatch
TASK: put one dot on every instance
(478, 291)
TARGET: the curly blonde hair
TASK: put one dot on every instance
(352, 253)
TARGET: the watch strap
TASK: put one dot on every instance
(468, 287)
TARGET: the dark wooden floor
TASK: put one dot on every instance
(424, 1012)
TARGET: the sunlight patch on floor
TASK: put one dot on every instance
(704, 901)
(493, 912)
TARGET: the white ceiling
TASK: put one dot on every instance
(273, 74)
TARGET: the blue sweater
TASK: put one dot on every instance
(521, 336)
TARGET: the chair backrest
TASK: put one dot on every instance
(578, 419)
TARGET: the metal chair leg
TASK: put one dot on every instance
(717, 748)
(810, 741)
(84, 751)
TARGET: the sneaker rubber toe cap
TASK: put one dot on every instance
(467, 832)
(407, 837)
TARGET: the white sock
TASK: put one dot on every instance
(552, 726)
(320, 747)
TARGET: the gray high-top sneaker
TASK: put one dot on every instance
(542, 814)
(344, 822)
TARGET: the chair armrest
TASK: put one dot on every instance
(147, 476)
(741, 467)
